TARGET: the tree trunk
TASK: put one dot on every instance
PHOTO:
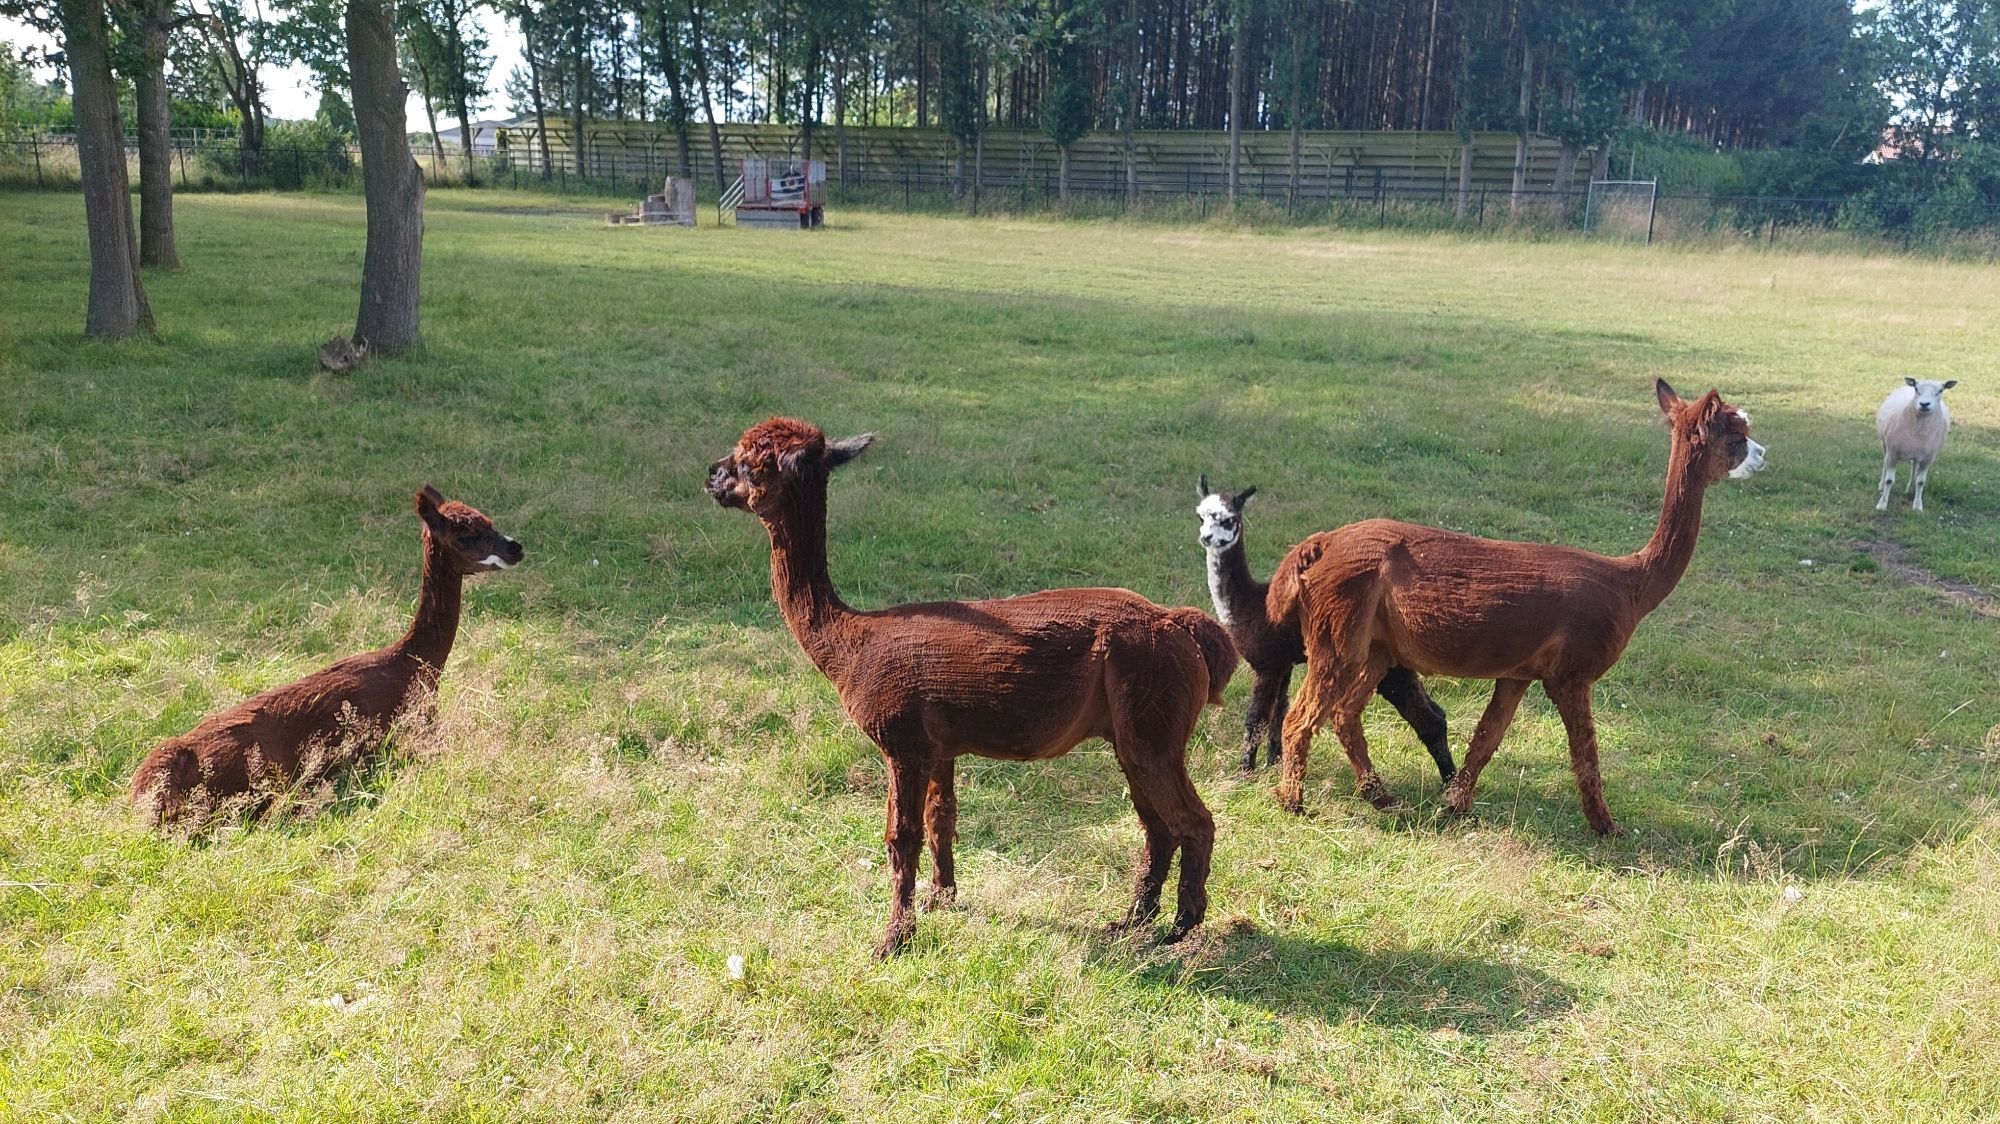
(117, 307)
(677, 103)
(535, 93)
(156, 145)
(430, 115)
(465, 132)
(1521, 133)
(1464, 174)
(1236, 52)
(1132, 84)
(809, 87)
(240, 81)
(979, 132)
(840, 118)
(579, 72)
(388, 320)
(707, 103)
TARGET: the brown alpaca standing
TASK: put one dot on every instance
(1271, 644)
(262, 742)
(1021, 679)
(1382, 594)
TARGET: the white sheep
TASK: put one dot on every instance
(1912, 424)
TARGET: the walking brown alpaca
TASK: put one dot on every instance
(1271, 645)
(1021, 679)
(1382, 594)
(263, 742)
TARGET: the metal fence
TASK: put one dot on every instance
(1349, 196)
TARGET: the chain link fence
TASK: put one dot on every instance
(1360, 197)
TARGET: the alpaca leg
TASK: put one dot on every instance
(1175, 819)
(1281, 705)
(908, 781)
(1920, 474)
(1406, 693)
(1573, 702)
(1888, 480)
(940, 829)
(1300, 724)
(1485, 739)
(1194, 829)
(1347, 727)
(1257, 719)
(1150, 878)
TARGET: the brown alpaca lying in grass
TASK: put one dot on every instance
(264, 743)
(1380, 594)
(1020, 679)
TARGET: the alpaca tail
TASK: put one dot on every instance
(1281, 603)
(164, 782)
(1218, 652)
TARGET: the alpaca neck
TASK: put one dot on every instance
(436, 625)
(1238, 597)
(799, 580)
(1664, 559)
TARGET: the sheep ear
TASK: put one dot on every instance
(1949, 383)
(846, 449)
(1201, 487)
(1909, 382)
(1669, 401)
(1243, 497)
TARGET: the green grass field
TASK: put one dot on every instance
(524, 910)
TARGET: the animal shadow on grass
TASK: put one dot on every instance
(1334, 981)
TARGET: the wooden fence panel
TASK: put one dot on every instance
(1393, 165)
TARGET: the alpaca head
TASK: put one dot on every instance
(471, 543)
(1930, 393)
(1718, 433)
(1221, 515)
(776, 461)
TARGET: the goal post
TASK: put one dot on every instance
(1621, 208)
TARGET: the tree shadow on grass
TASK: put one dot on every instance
(1335, 981)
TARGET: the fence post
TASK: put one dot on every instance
(180, 151)
(37, 140)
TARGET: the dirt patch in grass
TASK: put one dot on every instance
(1895, 558)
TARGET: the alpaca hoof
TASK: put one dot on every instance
(940, 897)
(894, 940)
(1378, 794)
(1290, 799)
(1179, 932)
(1609, 830)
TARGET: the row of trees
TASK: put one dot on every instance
(104, 40)
(1812, 78)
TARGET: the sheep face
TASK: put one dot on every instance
(1929, 394)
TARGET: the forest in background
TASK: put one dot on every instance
(1753, 96)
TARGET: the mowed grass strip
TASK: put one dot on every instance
(524, 910)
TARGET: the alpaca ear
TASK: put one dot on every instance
(1669, 401)
(846, 449)
(1243, 497)
(1201, 487)
(428, 500)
